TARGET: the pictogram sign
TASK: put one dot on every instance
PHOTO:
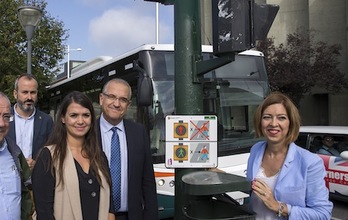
(180, 152)
(191, 141)
(180, 130)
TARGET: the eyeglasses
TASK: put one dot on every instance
(7, 118)
(328, 139)
(113, 98)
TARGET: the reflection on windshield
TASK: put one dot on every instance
(231, 92)
(164, 105)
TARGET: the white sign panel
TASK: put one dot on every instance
(191, 141)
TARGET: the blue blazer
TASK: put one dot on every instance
(43, 125)
(300, 183)
(142, 197)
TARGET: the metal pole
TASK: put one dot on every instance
(68, 64)
(188, 95)
(29, 49)
(29, 31)
(157, 21)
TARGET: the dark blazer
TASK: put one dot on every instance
(43, 125)
(142, 197)
(22, 166)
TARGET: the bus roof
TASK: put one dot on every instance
(170, 47)
(324, 129)
(91, 63)
(101, 61)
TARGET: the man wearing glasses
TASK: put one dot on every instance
(15, 200)
(134, 188)
(328, 147)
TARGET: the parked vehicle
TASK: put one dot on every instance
(232, 92)
(311, 138)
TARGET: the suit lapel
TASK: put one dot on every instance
(37, 125)
(287, 163)
(258, 159)
(130, 144)
(12, 130)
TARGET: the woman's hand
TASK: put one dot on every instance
(262, 191)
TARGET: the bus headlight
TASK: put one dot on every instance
(161, 182)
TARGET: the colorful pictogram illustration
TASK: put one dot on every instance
(204, 152)
(199, 130)
(180, 130)
(180, 152)
(199, 152)
(191, 141)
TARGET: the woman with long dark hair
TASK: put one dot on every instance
(71, 179)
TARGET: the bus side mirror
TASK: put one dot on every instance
(144, 87)
(145, 91)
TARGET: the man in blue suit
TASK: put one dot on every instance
(30, 127)
(138, 187)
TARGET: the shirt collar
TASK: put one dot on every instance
(105, 126)
(3, 145)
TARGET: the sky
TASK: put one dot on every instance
(111, 27)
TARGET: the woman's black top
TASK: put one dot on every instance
(44, 188)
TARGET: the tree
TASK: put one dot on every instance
(302, 63)
(48, 46)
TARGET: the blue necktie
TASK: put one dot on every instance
(115, 169)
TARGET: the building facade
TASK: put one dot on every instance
(329, 20)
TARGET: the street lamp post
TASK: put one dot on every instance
(68, 63)
(29, 17)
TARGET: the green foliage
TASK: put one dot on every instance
(48, 46)
(302, 63)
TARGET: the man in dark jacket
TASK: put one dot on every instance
(30, 127)
(15, 199)
(136, 192)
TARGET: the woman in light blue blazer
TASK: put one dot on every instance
(287, 180)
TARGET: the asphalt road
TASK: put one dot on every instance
(340, 211)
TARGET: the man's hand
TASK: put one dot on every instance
(31, 163)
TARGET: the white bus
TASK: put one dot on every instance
(231, 92)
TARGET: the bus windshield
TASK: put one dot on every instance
(232, 92)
